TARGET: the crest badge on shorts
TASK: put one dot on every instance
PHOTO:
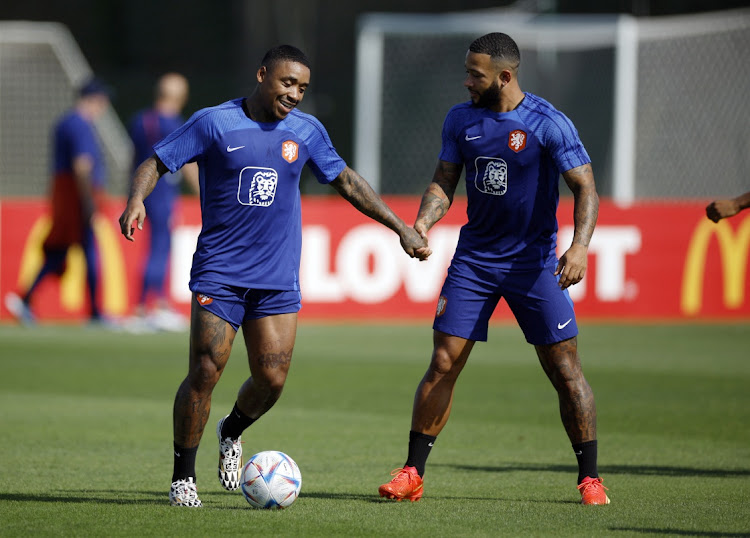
(517, 140)
(442, 303)
(203, 299)
(290, 151)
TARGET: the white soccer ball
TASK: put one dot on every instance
(270, 479)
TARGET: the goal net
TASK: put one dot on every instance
(41, 68)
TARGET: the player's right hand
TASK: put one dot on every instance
(414, 244)
(134, 215)
(422, 252)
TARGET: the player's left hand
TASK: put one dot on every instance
(572, 266)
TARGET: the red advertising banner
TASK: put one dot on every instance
(650, 261)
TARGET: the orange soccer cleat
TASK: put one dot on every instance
(406, 484)
(592, 491)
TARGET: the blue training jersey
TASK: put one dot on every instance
(250, 199)
(147, 128)
(513, 161)
(74, 136)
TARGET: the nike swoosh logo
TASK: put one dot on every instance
(430, 444)
(563, 325)
(578, 453)
(231, 149)
(177, 454)
(470, 138)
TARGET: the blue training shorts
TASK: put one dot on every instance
(236, 305)
(471, 293)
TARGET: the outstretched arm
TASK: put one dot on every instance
(438, 197)
(722, 209)
(572, 264)
(144, 181)
(358, 192)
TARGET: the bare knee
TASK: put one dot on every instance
(271, 382)
(562, 365)
(445, 364)
(204, 372)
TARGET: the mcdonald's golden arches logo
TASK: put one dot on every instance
(733, 251)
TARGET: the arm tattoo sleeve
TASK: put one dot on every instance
(355, 189)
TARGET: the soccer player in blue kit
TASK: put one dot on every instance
(146, 128)
(514, 145)
(250, 153)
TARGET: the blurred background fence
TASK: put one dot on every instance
(660, 103)
(41, 68)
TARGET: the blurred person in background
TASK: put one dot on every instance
(722, 209)
(147, 128)
(77, 192)
(245, 272)
(513, 146)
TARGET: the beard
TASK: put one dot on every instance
(490, 96)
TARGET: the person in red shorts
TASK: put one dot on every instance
(78, 182)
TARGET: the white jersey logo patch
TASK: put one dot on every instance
(492, 175)
(257, 186)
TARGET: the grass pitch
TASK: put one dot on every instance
(85, 436)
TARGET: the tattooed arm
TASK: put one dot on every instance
(572, 264)
(144, 181)
(438, 197)
(358, 192)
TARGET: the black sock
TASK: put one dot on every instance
(586, 455)
(420, 445)
(184, 462)
(235, 423)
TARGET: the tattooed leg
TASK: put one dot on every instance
(562, 365)
(211, 341)
(270, 343)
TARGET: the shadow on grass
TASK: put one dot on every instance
(647, 470)
(126, 497)
(88, 496)
(375, 498)
(680, 532)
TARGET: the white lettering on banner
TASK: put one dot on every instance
(609, 246)
(357, 248)
(370, 266)
(424, 280)
(184, 241)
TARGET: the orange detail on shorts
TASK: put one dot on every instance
(203, 299)
(290, 151)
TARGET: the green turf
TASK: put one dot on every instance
(85, 436)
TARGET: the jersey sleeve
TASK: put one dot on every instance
(563, 143)
(324, 161)
(450, 151)
(186, 143)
